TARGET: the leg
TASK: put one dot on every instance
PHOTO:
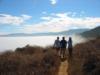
(70, 52)
(58, 51)
(63, 52)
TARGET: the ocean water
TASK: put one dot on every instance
(11, 43)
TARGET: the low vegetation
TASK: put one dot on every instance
(30, 61)
(86, 59)
(34, 60)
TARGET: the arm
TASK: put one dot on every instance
(66, 44)
(54, 44)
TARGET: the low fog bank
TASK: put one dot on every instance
(11, 43)
(78, 39)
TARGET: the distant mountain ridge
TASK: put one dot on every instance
(92, 33)
(69, 32)
(73, 31)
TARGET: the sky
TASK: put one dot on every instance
(35, 16)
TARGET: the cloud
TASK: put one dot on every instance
(54, 22)
(57, 22)
(3, 33)
(44, 12)
(53, 2)
(26, 17)
(13, 20)
(46, 18)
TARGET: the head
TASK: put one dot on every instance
(63, 38)
(70, 38)
(57, 38)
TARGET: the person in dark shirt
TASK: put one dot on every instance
(63, 44)
(70, 47)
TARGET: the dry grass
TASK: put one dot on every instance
(36, 60)
(30, 61)
(86, 59)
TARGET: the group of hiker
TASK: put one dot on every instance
(61, 45)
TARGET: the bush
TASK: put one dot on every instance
(29, 61)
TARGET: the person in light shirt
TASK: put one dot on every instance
(57, 45)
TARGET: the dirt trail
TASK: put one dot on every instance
(63, 68)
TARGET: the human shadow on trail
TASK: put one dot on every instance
(63, 59)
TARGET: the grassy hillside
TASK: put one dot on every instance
(86, 59)
(30, 61)
(92, 33)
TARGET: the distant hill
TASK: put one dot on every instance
(69, 32)
(92, 33)
(73, 31)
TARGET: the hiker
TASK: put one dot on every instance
(63, 44)
(70, 47)
(57, 45)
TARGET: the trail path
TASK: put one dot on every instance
(63, 68)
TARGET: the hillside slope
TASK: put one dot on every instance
(86, 59)
(92, 33)
(30, 61)
(69, 32)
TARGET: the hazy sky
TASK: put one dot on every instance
(31, 16)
